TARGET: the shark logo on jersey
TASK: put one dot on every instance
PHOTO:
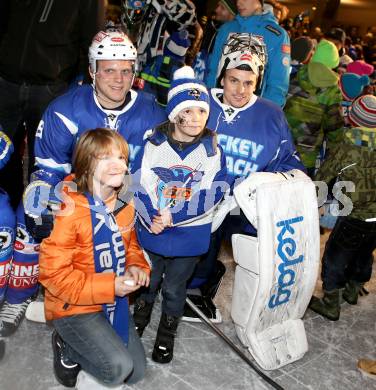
(175, 184)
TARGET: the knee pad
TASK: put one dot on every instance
(276, 271)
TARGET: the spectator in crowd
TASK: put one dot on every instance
(313, 108)
(225, 11)
(251, 18)
(347, 259)
(43, 48)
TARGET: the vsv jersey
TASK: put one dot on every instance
(68, 116)
(254, 138)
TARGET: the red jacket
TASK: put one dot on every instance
(66, 261)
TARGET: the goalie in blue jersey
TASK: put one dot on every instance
(254, 136)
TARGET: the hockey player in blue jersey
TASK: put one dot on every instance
(252, 19)
(109, 102)
(254, 135)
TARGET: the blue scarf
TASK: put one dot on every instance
(109, 255)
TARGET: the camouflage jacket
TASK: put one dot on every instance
(313, 109)
(354, 157)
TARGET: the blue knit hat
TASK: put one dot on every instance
(186, 91)
(352, 85)
(6, 149)
(177, 44)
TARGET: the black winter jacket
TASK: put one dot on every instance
(47, 41)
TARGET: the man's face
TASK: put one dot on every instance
(113, 80)
(247, 7)
(238, 87)
(222, 14)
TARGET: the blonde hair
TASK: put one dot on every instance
(90, 146)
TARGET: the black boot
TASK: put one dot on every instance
(328, 306)
(141, 315)
(164, 344)
(351, 292)
(210, 288)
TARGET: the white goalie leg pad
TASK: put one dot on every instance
(277, 271)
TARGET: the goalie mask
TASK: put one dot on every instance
(243, 49)
(133, 11)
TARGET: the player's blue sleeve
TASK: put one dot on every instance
(54, 143)
(215, 56)
(204, 200)
(277, 76)
(286, 157)
(159, 114)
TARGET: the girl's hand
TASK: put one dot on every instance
(138, 275)
(166, 217)
(157, 226)
(122, 289)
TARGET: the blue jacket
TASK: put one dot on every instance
(277, 41)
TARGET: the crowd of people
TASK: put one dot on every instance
(139, 119)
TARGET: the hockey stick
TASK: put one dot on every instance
(232, 345)
(2, 349)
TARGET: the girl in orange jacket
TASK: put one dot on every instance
(88, 266)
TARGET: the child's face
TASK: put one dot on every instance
(189, 123)
(109, 170)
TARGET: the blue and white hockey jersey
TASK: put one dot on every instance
(254, 138)
(68, 116)
(190, 181)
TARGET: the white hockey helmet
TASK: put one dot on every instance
(243, 49)
(111, 45)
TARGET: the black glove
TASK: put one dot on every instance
(40, 227)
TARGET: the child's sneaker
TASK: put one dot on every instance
(65, 370)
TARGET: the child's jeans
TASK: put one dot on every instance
(91, 341)
(348, 253)
(177, 271)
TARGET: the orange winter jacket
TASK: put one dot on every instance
(66, 261)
